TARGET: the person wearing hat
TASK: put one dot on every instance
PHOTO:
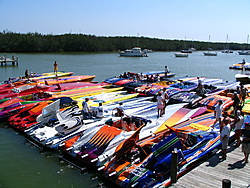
(246, 141)
(85, 109)
(218, 113)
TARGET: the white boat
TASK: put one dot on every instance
(134, 52)
(181, 54)
(147, 51)
(243, 78)
(227, 50)
(245, 52)
(209, 53)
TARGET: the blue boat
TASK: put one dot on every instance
(147, 163)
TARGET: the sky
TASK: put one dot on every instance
(194, 20)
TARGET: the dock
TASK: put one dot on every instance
(214, 172)
(4, 60)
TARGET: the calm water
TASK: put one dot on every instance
(23, 165)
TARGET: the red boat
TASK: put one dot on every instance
(27, 116)
(41, 88)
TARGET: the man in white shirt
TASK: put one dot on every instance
(218, 113)
(99, 111)
(224, 137)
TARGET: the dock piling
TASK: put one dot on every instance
(174, 166)
(226, 183)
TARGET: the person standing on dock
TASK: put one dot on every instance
(224, 137)
(237, 124)
(246, 141)
(55, 67)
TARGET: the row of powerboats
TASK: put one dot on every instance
(134, 150)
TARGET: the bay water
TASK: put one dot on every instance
(25, 166)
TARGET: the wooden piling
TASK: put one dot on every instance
(226, 183)
(174, 164)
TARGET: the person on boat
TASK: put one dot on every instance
(9, 82)
(236, 103)
(99, 111)
(243, 94)
(160, 104)
(201, 91)
(237, 124)
(199, 82)
(166, 71)
(85, 109)
(246, 141)
(165, 98)
(119, 110)
(55, 67)
(224, 137)
(27, 74)
(218, 113)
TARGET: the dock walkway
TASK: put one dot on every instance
(4, 60)
(213, 171)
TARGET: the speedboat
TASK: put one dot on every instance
(243, 78)
(147, 162)
(97, 145)
(26, 117)
(134, 52)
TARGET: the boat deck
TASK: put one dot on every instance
(212, 172)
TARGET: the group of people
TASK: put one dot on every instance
(140, 77)
(162, 100)
(242, 131)
(27, 75)
(98, 112)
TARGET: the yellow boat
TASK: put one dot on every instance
(106, 98)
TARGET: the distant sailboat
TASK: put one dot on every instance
(210, 52)
(227, 50)
(245, 52)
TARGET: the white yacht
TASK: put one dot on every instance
(134, 52)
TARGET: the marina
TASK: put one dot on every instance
(34, 165)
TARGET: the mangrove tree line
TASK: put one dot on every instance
(36, 42)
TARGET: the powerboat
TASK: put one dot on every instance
(147, 162)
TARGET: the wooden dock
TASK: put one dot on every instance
(212, 172)
(4, 60)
